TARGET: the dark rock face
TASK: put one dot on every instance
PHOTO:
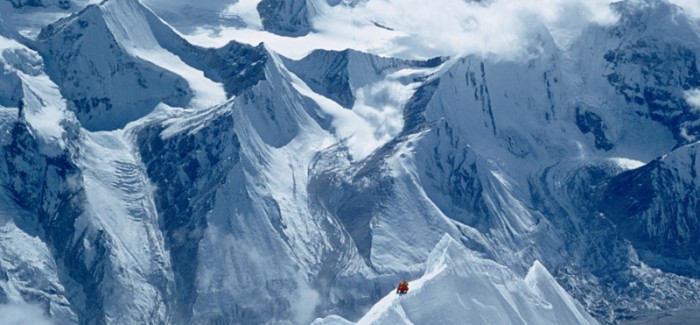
(353, 202)
(326, 72)
(665, 69)
(285, 17)
(651, 70)
(656, 207)
(238, 66)
(51, 189)
(589, 122)
(11, 92)
(187, 168)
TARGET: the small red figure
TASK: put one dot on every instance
(402, 288)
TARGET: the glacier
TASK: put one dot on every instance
(289, 162)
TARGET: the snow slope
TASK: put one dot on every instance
(132, 31)
(460, 287)
(119, 202)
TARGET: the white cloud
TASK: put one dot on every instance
(501, 29)
(693, 98)
(21, 314)
(692, 7)
(504, 28)
(247, 10)
(305, 305)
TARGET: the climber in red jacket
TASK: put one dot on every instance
(402, 288)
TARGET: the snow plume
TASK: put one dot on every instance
(305, 305)
(507, 29)
(692, 97)
(20, 314)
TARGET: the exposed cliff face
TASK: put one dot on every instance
(188, 169)
(288, 18)
(655, 207)
(46, 195)
(648, 69)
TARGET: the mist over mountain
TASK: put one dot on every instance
(289, 162)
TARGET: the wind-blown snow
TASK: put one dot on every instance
(364, 128)
(627, 164)
(693, 98)
(349, 126)
(247, 11)
(505, 28)
(380, 104)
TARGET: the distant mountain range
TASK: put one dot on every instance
(289, 162)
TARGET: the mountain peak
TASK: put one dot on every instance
(459, 287)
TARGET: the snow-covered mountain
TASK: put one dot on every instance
(164, 167)
(458, 287)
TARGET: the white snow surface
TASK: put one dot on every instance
(626, 163)
(120, 203)
(235, 263)
(130, 28)
(459, 287)
(44, 107)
